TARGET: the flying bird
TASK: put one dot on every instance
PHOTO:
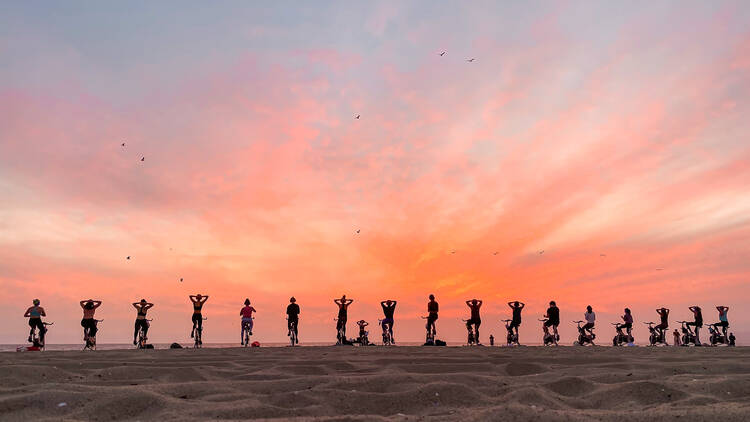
(541, 252)
(123, 144)
(659, 269)
(441, 54)
(128, 258)
(143, 158)
(357, 117)
(601, 254)
(453, 251)
(180, 279)
(494, 253)
(470, 60)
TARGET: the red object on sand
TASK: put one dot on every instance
(255, 344)
(28, 349)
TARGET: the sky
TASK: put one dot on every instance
(608, 135)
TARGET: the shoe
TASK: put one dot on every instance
(30, 340)
(192, 334)
(251, 333)
(135, 343)
(200, 341)
(242, 342)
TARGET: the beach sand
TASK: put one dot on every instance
(378, 383)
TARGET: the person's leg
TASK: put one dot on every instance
(32, 325)
(135, 331)
(477, 323)
(724, 326)
(195, 323)
(85, 329)
(93, 329)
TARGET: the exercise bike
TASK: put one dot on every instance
(387, 336)
(89, 341)
(716, 334)
(430, 336)
(512, 337)
(293, 333)
(548, 338)
(37, 339)
(688, 336)
(246, 333)
(622, 338)
(471, 339)
(198, 337)
(585, 335)
(657, 335)
(141, 342)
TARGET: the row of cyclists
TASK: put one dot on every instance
(551, 321)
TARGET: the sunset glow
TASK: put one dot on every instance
(613, 142)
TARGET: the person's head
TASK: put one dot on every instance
(143, 301)
(552, 303)
(247, 302)
(473, 301)
(627, 310)
(36, 302)
(516, 304)
(198, 296)
(89, 304)
(697, 308)
(343, 297)
(432, 297)
(292, 299)
(589, 309)
(388, 302)
(663, 309)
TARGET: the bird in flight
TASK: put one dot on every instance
(357, 230)
(470, 60)
(659, 269)
(123, 144)
(541, 252)
(601, 254)
(180, 279)
(143, 158)
(441, 54)
(494, 253)
(128, 257)
(453, 251)
(357, 117)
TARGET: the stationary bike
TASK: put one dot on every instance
(512, 336)
(656, 336)
(471, 338)
(141, 342)
(430, 337)
(387, 336)
(37, 338)
(688, 336)
(585, 335)
(716, 335)
(549, 337)
(621, 338)
(89, 340)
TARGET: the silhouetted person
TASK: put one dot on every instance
(697, 323)
(517, 307)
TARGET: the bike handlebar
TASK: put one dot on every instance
(48, 323)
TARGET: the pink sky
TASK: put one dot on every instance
(579, 134)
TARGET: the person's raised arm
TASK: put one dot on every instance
(149, 305)
(468, 303)
(193, 298)
(521, 305)
(83, 303)
(204, 299)
(337, 301)
(510, 305)
(394, 302)
(479, 303)
(28, 313)
(349, 301)
(382, 303)
(135, 305)
(41, 311)
(97, 303)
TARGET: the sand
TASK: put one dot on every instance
(378, 383)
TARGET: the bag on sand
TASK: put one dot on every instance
(175, 346)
